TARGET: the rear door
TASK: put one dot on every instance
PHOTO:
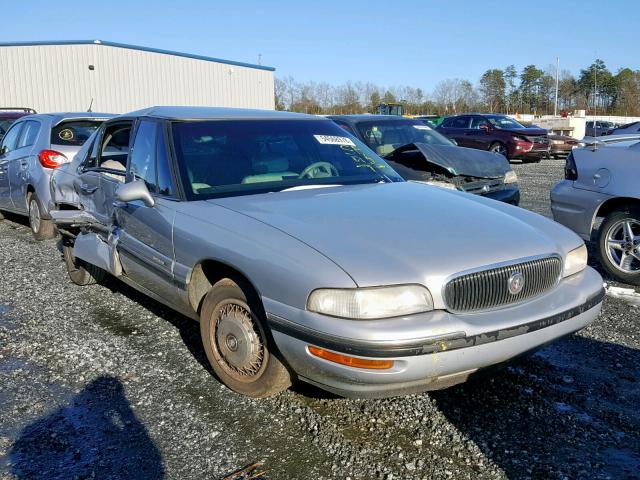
(457, 129)
(104, 170)
(146, 241)
(8, 146)
(21, 168)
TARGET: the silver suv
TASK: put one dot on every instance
(601, 183)
(31, 150)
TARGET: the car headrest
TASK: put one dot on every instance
(385, 149)
(269, 163)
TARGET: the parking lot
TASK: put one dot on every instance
(102, 382)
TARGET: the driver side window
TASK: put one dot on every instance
(478, 122)
(142, 164)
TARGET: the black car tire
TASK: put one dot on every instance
(499, 147)
(41, 228)
(80, 272)
(610, 221)
(237, 342)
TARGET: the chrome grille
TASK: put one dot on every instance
(540, 139)
(490, 288)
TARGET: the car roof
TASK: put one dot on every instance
(60, 116)
(216, 113)
(13, 114)
(367, 117)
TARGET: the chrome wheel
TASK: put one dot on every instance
(238, 341)
(623, 245)
(34, 215)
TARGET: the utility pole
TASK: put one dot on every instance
(555, 105)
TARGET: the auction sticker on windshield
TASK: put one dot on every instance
(334, 140)
(422, 127)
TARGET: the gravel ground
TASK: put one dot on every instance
(101, 382)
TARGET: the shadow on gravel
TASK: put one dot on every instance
(96, 436)
(188, 328)
(569, 410)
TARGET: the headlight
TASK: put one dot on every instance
(575, 261)
(510, 177)
(371, 303)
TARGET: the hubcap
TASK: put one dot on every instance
(623, 245)
(34, 215)
(501, 149)
(238, 341)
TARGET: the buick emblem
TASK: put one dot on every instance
(515, 283)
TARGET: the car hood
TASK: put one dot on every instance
(459, 160)
(405, 232)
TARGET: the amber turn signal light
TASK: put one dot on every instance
(350, 361)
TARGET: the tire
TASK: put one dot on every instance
(612, 259)
(501, 148)
(1, 216)
(41, 228)
(231, 319)
(80, 272)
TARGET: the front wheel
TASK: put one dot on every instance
(500, 148)
(237, 343)
(41, 228)
(619, 245)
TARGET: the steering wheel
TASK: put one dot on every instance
(319, 170)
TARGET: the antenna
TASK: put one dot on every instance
(90, 105)
(555, 106)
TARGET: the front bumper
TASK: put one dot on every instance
(427, 355)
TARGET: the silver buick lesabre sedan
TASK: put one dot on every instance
(304, 256)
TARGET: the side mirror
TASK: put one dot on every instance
(136, 190)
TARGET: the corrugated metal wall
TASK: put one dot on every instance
(54, 78)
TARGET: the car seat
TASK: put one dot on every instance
(269, 168)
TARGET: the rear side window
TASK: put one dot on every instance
(29, 133)
(459, 122)
(73, 132)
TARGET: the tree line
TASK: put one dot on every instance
(595, 89)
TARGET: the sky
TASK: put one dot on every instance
(389, 43)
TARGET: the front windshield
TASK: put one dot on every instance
(503, 122)
(240, 157)
(384, 136)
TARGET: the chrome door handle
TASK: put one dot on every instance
(88, 189)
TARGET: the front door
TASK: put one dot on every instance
(479, 133)
(8, 149)
(146, 241)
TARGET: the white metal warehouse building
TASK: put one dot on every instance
(117, 78)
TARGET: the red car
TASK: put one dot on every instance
(497, 133)
(8, 115)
